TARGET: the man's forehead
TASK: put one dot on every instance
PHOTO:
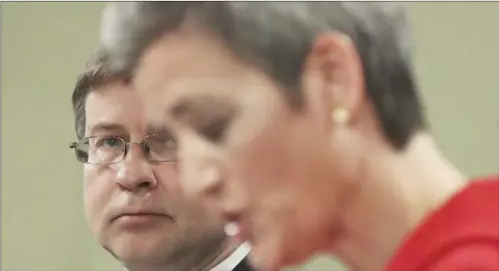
(114, 108)
(111, 100)
(121, 127)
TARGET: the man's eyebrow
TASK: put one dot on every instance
(106, 127)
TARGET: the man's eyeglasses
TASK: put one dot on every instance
(106, 150)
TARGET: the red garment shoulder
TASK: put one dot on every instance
(479, 256)
(465, 227)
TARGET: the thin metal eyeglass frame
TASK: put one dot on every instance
(74, 144)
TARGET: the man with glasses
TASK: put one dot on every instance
(131, 193)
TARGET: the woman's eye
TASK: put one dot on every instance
(215, 130)
(159, 143)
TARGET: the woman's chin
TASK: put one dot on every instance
(268, 256)
(263, 262)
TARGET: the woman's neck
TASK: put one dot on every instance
(396, 193)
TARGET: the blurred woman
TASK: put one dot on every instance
(302, 123)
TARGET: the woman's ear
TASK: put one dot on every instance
(334, 80)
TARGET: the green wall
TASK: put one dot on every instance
(44, 46)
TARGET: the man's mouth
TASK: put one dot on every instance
(138, 218)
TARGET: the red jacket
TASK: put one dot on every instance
(463, 235)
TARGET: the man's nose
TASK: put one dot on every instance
(134, 172)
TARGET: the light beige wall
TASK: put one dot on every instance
(44, 46)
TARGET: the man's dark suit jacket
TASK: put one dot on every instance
(243, 266)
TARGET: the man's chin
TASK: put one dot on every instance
(137, 249)
(138, 258)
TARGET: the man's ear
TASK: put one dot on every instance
(333, 78)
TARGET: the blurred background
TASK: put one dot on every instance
(45, 46)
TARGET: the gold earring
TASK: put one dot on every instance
(341, 116)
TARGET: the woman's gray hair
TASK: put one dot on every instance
(276, 37)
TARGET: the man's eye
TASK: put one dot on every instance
(109, 142)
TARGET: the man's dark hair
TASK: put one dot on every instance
(276, 37)
(95, 75)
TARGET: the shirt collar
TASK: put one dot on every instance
(234, 259)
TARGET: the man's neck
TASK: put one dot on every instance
(392, 201)
(204, 263)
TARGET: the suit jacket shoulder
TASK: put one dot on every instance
(244, 266)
